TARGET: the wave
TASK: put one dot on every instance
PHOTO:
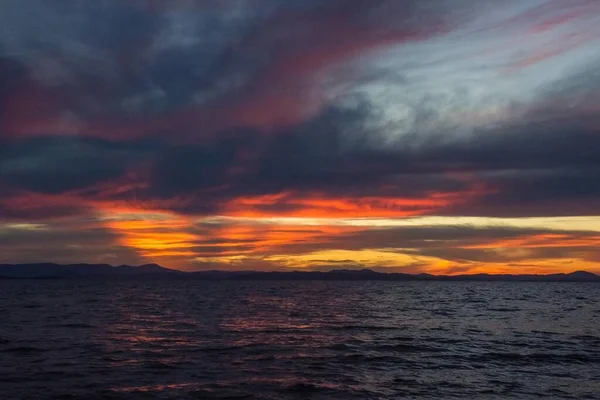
(23, 350)
(364, 328)
(407, 348)
(305, 388)
(533, 358)
(74, 325)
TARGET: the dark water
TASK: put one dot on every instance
(298, 340)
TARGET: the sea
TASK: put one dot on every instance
(177, 339)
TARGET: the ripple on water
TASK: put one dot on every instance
(287, 340)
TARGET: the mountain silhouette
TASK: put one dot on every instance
(51, 270)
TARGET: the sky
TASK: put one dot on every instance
(430, 136)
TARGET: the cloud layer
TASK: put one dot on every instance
(126, 125)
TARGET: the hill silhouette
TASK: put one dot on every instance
(51, 270)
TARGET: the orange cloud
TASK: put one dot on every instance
(320, 206)
(525, 266)
(540, 241)
(161, 237)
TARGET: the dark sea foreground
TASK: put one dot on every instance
(78, 339)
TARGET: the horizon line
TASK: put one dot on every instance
(289, 270)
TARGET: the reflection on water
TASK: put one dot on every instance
(298, 340)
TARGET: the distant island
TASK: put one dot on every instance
(73, 271)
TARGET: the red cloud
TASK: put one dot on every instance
(301, 47)
(322, 206)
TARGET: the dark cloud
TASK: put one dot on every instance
(424, 240)
(67, 242)
(55, 165)
(119, 59)
(532, 170)
(518, 169)
(221, 68)
(19, 206)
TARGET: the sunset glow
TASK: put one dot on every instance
(446, 138)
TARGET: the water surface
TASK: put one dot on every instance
(83, 339)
